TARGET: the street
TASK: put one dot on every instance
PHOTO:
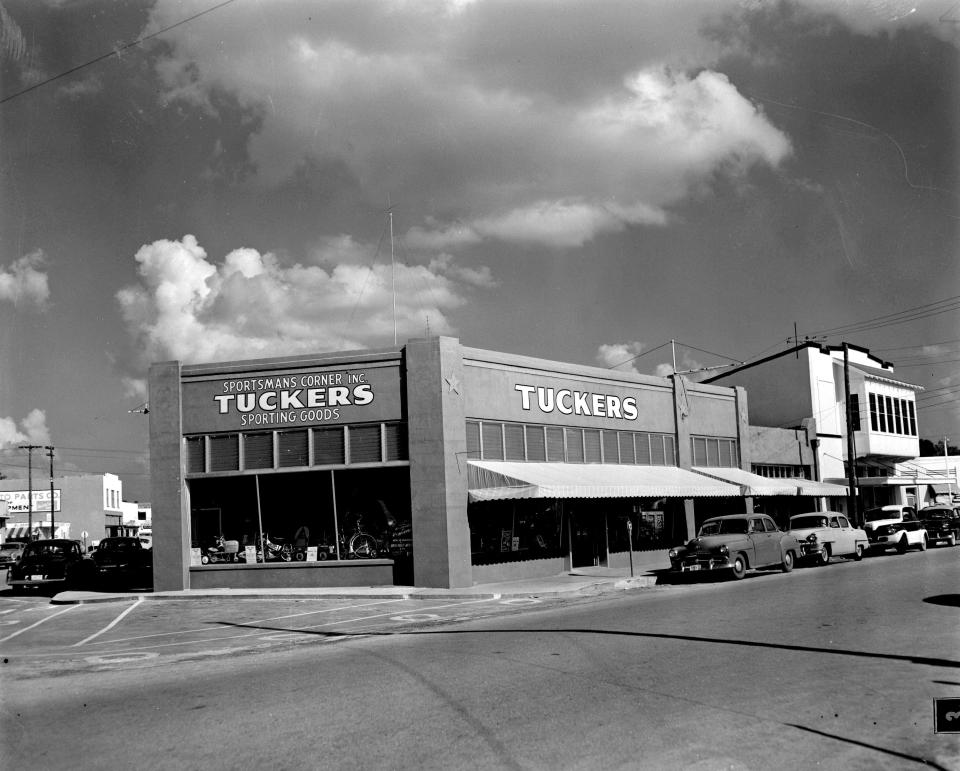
(832, 667)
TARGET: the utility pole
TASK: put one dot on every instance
(53, 529)
(30, 448)
(852, 497)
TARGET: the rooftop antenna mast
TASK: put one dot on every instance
(393, 267)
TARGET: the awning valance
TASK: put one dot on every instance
(750, 484)
(499, 480)
(824, 489)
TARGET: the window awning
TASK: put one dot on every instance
(942, 489)
(825, 489)
(750, 484)
(499, 480)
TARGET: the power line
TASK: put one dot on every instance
(911, 314)
(633, 358)
(114, 52)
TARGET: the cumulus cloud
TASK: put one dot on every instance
(251, 304)
(620, 356)
(24, 282)
(509, 157)
(32, 430)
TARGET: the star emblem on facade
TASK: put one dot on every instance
(453, 384)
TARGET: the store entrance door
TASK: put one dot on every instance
(588, 539)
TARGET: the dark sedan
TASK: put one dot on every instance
(54, 563)
(123, 560)
(941, 523)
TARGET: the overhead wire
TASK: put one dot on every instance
(115, 52)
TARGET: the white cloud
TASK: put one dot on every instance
(24, 283)
(620, 356)
(32, 430)
(251, 305)
(403, 94)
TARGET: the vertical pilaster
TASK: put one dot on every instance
(743, 428)
(171, 514)
(436, 426)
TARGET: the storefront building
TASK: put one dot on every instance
(431, 464)
(85, 507)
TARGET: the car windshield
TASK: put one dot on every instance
(935, 514)
(723, 527)
(118, 544)
(872, 515)
(11, 547)
(799, 523)
(43, 549)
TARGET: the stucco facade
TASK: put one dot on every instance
(438, 457)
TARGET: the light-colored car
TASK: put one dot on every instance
(826, 534)
(737, 542)
(10, 553)
(894, 526)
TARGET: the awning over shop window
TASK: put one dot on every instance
(750, 484)
(18, 530)
(500, 480)
(943, 489)
(825, 489)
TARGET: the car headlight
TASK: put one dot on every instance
(722, 550)
(673, 554)
(812, 538)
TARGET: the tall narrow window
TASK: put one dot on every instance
(897, 407)
(913, 419)
(329, 448)
(874, 423)
(591, 444)
(536, 443)
(574, 445)
(473, 439)
(492, 440)
(555, 453)
(225, 452)
(513, 438)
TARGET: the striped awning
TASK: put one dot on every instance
(750, 484)
(501, 480)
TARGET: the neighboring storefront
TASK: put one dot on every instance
(85, 507)
(431, 464)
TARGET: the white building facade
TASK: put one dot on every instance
(809, 383)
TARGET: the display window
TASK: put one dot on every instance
(302, 516)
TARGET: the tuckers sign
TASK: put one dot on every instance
(571, 402)
(294, 399)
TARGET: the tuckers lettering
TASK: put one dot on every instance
(568, 402)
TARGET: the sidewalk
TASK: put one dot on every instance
(581, 582)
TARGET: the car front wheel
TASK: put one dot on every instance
(739, 569)
(902, 546)
(787, 565)
(952, 540)
(823, 557)
(923, 543)
(858, 552)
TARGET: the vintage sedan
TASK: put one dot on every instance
(737, 543)
(941, 523)
(122, 559)
(53, 563)
(894, 526)
(826, 534)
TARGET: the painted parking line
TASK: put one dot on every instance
(521, 601)
(41, 621)
(255, 621)
(111, 625)
(259, 632)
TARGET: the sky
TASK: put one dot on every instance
(579, 180)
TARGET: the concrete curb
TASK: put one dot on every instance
(587, 589)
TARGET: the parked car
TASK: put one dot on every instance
(10, 552)
(894, 526)
(941, 522)
(57, 562)
(826, 534)
(122, 559)
(737, 542)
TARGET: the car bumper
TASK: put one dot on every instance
(697, 564)
(34, 581)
